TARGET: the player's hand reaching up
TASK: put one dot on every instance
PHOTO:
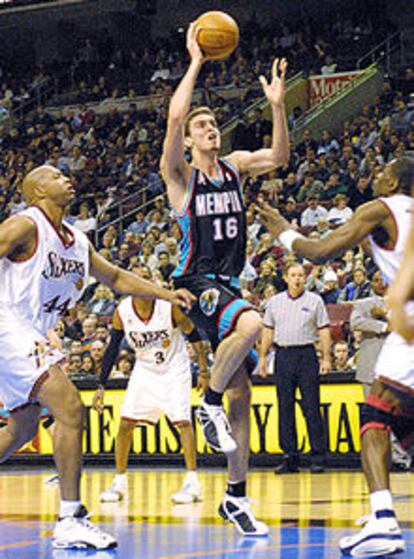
(192, 46)
(275, 90)
(182, 298)
(272, 219)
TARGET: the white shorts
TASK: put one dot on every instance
(25, 354)
(396, 361)
(150, 394)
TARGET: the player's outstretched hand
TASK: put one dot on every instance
(275, 90)
(98, 400)
(182, 298)
(272, 219)
(192, 45)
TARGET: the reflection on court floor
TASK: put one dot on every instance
(307, 515)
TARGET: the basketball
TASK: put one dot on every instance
(218, 35)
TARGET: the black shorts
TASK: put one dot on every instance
(219, 304)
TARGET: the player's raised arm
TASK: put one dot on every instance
(174, 169)
(264, 160)
(363, 222)
(17, 237)
(130, 284)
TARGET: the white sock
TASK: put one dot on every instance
(120, 479)
(381, 500)
(191, 477)
(68, 508)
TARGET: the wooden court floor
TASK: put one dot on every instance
(307, 514)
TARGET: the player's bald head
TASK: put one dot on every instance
(34, 182)
(403, 170)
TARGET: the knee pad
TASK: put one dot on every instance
(374, 418)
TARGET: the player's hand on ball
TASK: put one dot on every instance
(275, 90)
(182, 298)
(98, 400)
(192, 46)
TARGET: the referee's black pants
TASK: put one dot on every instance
(298, 366)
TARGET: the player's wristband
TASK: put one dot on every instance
(288, 237)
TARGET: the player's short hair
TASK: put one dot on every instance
(195, 112)
(403, 170)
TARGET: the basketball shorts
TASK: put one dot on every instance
(218, 306)
(390, 407)
(151, 394)
(25, 355)
(396, 361)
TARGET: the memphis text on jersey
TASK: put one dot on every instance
(217, 203)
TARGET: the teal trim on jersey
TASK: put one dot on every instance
(186, 246)
(236, 172)
(229, 315)
(188, 198)
(235, 169)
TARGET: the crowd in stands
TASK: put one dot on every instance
(99, 69)
(114, 154)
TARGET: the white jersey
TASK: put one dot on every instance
(395, 362)
(389, 260)
(157, 343)
(42, 288)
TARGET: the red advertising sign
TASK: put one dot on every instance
(321, 87)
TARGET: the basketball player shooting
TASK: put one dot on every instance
(206, 196)
(44, 268)
(386, 223)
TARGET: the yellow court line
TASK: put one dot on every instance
(17, 544)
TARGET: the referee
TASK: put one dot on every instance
(293, 321)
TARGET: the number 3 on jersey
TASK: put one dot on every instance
(225, 228)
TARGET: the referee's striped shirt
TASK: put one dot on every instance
(295, 320)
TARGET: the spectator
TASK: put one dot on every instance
(74, 365)
(359, 288)
(341, 356)
(290, 212)
(97, 352)
(330, 291)
(310, 216)
(84, 221)
(340, 212)
(88, 365)
(369, 316)
(293, 321)
(88, 333)
(102, 302)
(164, 265)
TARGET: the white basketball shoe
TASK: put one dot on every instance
(379, 536)
(117, 491)
(78, 532)
(190, 492)
(238, 511)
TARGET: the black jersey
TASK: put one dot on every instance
(213, 225)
